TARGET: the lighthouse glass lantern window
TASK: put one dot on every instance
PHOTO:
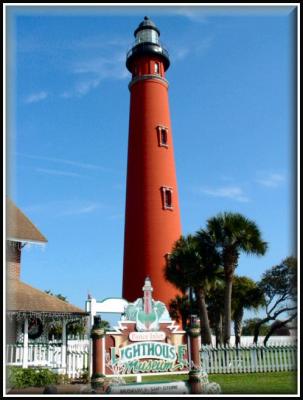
(148, 36)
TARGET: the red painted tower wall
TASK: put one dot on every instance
(150, 228)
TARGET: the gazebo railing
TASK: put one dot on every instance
(50, 356)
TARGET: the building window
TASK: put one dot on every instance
(167, 198)
(162, 136)
(157, 68)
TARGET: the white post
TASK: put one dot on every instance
(25, 344)
(188, 352)
(90, 306)
(63, 350)
(219, 359)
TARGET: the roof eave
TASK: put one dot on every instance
(25, 241)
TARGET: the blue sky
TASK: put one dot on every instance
(232, 103)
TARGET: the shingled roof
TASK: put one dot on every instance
(19, 227)
(24, 298)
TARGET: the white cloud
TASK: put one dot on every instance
(65, 161)
(183, 49)
(271, 180)
(180, 53)
(59, 173)
(81, 209)
(65, 207)
(36, 97)
(91, 72)
(230, 192)
(195, 14)
(202, 13)
(81, 88)
(100, 42)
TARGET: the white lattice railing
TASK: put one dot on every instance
(50, 356)
(246, 359)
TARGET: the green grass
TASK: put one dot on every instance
(254, 383)
(257, 383)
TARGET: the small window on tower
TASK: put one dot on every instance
(162, 136)
(157, 68)
(167, 198)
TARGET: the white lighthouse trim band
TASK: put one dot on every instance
(148, 76)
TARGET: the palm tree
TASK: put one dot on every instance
(193, 264)
(233, 234)
(215, 308)
(180, 308)
(245, 295)
(105, 325)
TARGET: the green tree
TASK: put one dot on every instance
(215, 308)
(193, 263)
(76, 327)
(233, 234)
(245, 295)
(105, 325)
(279, 328)
(279, 285)
(180, 310)
(248, 327)
(59, 296)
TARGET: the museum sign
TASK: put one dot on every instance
(146, 340)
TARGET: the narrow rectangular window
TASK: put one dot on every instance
(157, 68)
(162, 136)
(167, 198)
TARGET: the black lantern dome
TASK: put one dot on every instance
(147, 42)
(147, 24)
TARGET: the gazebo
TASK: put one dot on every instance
(30, 312)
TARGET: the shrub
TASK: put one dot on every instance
(63, 379)
(31, 377)
(85, 376)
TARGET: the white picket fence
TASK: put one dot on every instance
(50, 356)
(246, 359)
(77, 359)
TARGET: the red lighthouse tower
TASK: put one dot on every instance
(152, 216)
